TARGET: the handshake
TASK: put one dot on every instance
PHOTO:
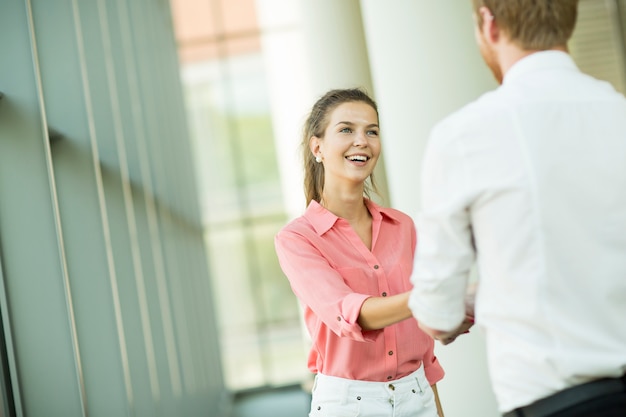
(450, 337)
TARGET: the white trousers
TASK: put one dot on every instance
(410, 396)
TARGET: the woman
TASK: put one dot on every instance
(349, 263)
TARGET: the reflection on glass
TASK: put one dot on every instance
(229, 117)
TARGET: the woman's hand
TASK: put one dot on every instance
(468, 322)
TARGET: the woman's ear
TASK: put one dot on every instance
(314, 145)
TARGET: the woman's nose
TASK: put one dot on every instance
(360, 139)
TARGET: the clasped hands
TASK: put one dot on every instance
(447, 338)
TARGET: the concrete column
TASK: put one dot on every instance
(289, 89)
(424, 65)
(335, 44)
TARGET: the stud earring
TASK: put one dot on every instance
(318, 159)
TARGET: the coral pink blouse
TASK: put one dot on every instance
(332, 273)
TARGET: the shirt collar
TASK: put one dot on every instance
(323, 220)
(539, 61)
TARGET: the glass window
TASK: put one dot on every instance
(229, 117)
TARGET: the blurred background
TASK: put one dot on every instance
(149, 154)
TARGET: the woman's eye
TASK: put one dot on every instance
(372, 132)
(346, 130)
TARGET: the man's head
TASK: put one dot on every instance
(528, 25)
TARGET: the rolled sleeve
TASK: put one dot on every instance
(348, 326)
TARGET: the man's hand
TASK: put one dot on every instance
(448, 337)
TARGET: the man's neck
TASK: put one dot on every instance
(511, 54)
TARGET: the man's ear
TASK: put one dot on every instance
(489, 26)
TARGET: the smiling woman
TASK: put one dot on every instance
(323, 120)
(348, 261)
(349, 147)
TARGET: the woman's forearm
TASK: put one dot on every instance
(379, 312)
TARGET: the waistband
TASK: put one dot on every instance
(570, 397)
(415, 382)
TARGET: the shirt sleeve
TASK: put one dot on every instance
(320, 287)
(445, 252)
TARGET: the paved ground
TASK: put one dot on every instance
(282, 402)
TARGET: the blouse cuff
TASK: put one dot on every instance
(433, 370)
(348, 325)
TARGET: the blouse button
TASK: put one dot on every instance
(389, 377)
(338, 318)
(390, 352)
(384, 294)
(376, 267)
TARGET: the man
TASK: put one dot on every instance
(530, 180)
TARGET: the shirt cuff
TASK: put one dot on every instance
(444, 321)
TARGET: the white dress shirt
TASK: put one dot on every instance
(530, 181)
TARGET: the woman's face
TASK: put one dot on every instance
(351, 144)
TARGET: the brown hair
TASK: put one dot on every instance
(534, 25)
(315, 125)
